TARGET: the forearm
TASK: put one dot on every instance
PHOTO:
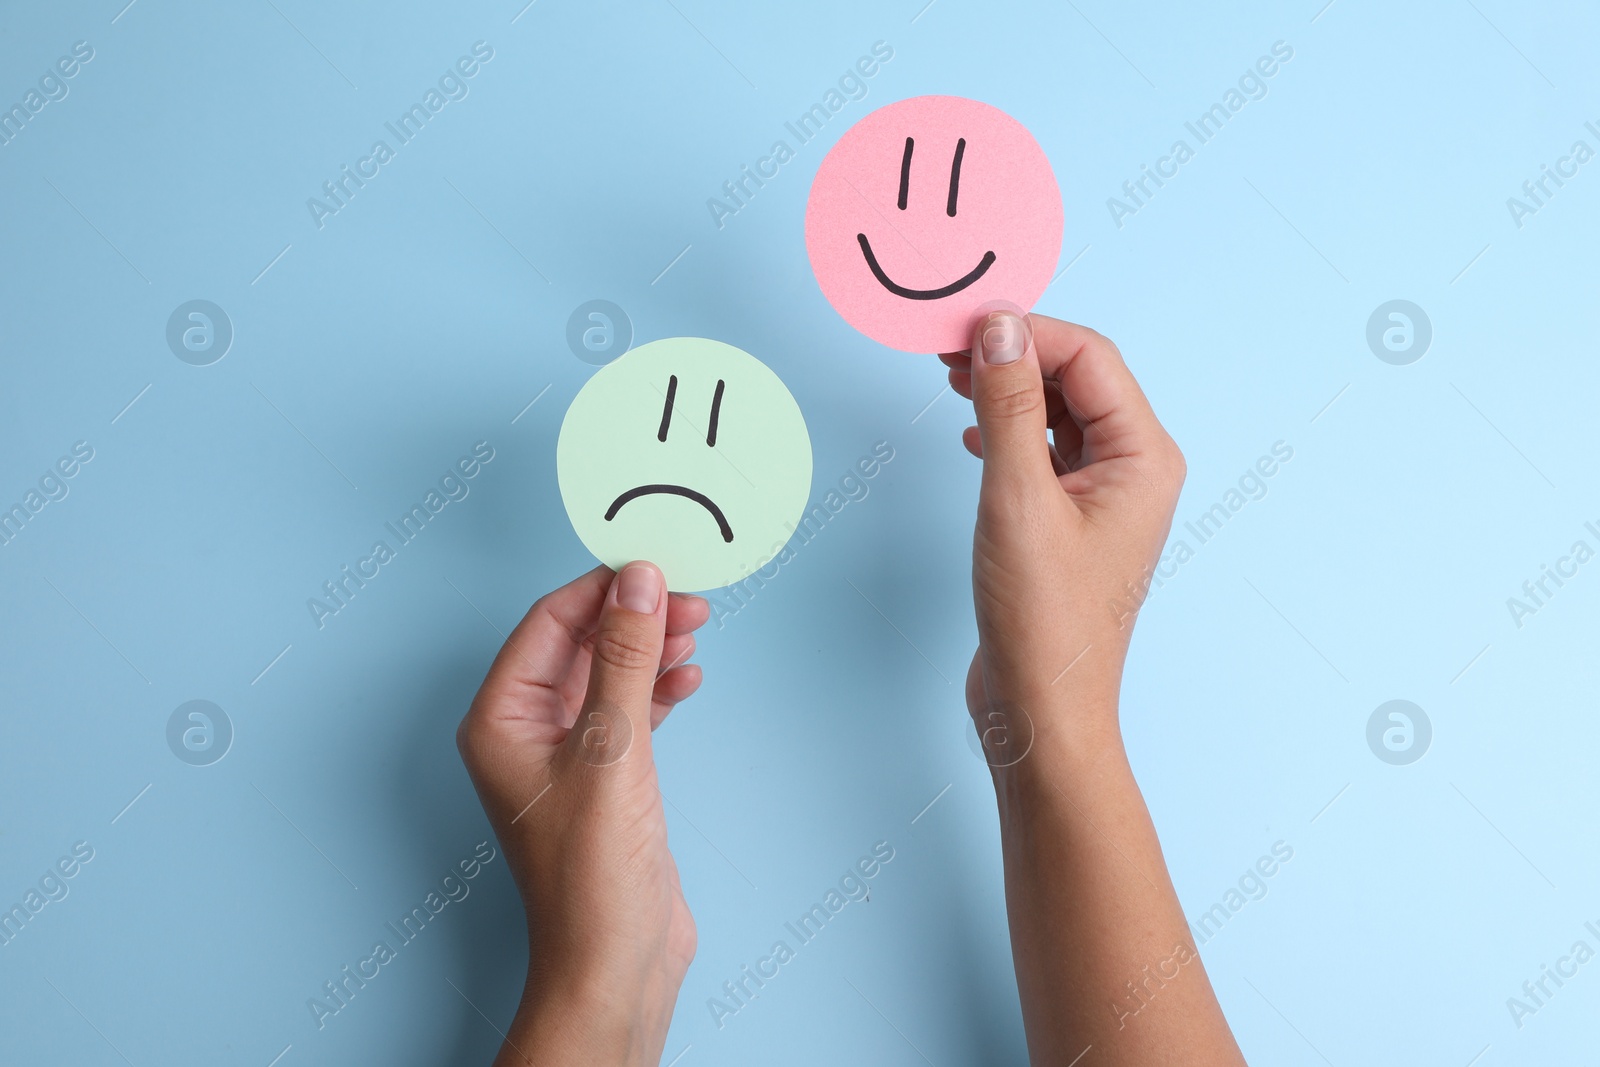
(1103, 953)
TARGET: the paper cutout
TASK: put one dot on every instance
(689, 453)
(926, 211)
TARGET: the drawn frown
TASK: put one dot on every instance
(689, 453)
(673, 489)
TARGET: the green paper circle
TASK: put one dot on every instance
(676, 501)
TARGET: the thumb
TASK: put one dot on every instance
(628, 642)
(1008, 396)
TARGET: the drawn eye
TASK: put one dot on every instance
(666, 412)
(716, 410)
(955, 175)
(905, 173)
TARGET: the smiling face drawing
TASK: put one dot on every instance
(689, 453)
(926, 211)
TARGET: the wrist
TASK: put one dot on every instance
(1069, 745)
(1074, 676)
(572, 1017)
(1025, 719)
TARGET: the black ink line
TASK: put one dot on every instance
(673, 490)
(666, 412)
(955, 176)
(923, 294)
(716, 409)
(905, 174)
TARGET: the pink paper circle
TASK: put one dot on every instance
(1007, 212)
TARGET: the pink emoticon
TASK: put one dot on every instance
(927, 211)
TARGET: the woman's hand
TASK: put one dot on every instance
(1066, 538)
(558, 744)
(1067, 533)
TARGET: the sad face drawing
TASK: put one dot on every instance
(689, 453)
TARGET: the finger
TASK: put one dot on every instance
(1055, 406)
(1065, 432)
(541, 649)
(1058, 465)
(1057, 414)
(974, 444)
(956, 360)
(1068, 435)
(1008, 396)
(627, 649)
(675, 652)
(1104, 399)
(677, 685)
(686, 613)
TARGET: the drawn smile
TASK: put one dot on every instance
(923, 294)
(673, 490)
(949, 209)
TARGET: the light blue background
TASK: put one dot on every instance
(380, 347)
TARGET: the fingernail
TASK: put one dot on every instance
(639, 588)
(1002, 340)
